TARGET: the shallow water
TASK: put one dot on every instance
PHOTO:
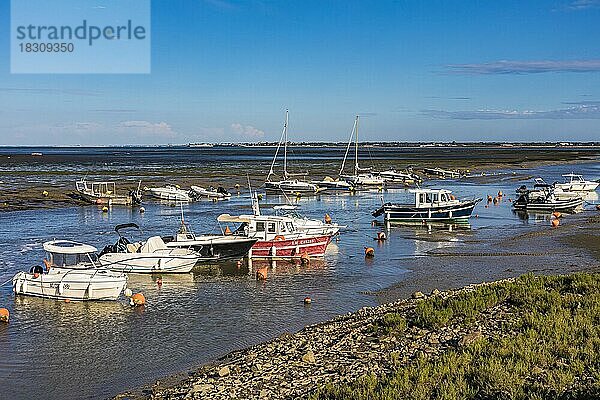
(61, 350)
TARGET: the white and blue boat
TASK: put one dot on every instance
(429, 206)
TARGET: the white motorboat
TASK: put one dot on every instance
(72, 273)
(288, 183)
(219, 193)
(391, 175)
(542, 190)
(334, 184)
(106, 193)
(308, 225)
(576, 183)
(146, 257)
(358, 178)
(170, 193)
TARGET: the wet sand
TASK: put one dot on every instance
(24, 178)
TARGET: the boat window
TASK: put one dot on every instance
(290, 226)
(422, 198)
(435, 197)
(443, 197)
(272, 227)
(260, 227)
(282, 227)
(62, 260)
(427, 198)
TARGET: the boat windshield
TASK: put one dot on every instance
(68, 260)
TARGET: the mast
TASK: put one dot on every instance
(285, 128)
(283, 135)
(347, 150)
(356, 168)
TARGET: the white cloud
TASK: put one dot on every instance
(247, 131)
(146, 128)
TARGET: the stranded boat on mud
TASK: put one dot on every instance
(576, 183)
(219, 193)
(106, 193)
(170, 193)
(72, 273)
(430, 206)
(547, 199)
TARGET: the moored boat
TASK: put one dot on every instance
(72, 273)
(146, 257)
(105, 193)
(210, 247)
(429, 206)
(219, 193)
(576, 183)
(169, 193)
(546, 201)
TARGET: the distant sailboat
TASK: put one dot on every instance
(358, 178)
(288, 184)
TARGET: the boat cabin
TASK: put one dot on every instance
(65, 253)
(96, 188)
(261, 227)
(433, 197)
(573, 178)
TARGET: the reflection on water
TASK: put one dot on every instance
(94, 350)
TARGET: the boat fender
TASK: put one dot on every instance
(61, 288)
(279, 237)
(23, 286)
(47, 264)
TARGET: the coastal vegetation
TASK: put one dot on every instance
(545, 344)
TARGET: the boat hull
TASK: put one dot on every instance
(278, 187)
(219, 248)
(314, 246)
(456, 214)
(578, 187)
(139, 263)
(559, 205)
(68, 284)
(169, 195)
(107, 200)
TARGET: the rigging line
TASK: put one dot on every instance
(347, 149)
(283, 135)
(6, 282)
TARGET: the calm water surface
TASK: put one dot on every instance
(60, 350)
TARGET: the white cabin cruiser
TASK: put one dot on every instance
(72, 273)
(576, 183)
(170, 193)
(146, 257)
(305, 224)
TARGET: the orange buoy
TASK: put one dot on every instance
(159, 281)
(452, 197)
(489, 198)
(495, 201)
(369, 252)
(261, 274)
(555, 223)
(304, 258)
(137, 299)
(307, 300)
(381, 236)
(327, 219)
(279, 237)
(500, 194)
(4, 315)
(227, 230)
(556, 214)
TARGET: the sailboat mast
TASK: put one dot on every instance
(283, 135)
(356, 168)
(285, 127)
(347, 150)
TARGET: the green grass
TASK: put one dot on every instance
(552, 343)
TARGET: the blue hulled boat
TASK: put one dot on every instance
(430, 206)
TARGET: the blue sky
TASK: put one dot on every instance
(225, 70)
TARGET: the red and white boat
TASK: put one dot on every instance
(279, 236)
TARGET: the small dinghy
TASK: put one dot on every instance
(212, 193)
(146, 257)
(106, 193)
(429, 206)
(72, 273)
